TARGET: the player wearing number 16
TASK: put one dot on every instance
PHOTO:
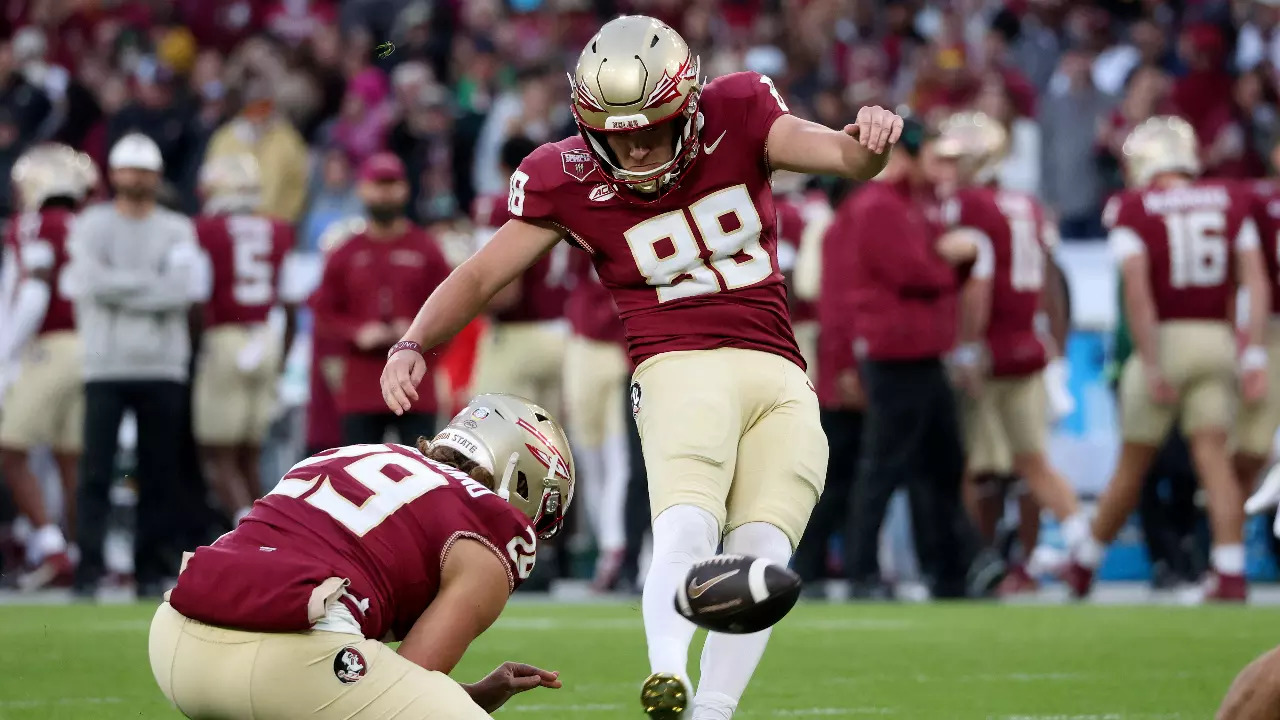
(285, 616)
(666, 187)
(1183, 246)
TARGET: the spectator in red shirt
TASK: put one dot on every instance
(372, 286)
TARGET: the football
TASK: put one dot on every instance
(737, 594)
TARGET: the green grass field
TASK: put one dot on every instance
(923, 662)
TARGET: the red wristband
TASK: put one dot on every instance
(404, 345)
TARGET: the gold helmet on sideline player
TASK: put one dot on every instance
(52, 170)
(637, 73)
(231, 184)
(524, 449)
(1163, 144)
(977, 142)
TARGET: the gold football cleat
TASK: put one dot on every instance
(664, 696)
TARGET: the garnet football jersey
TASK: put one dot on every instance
(790, 230)
(697, 268)
(39, 242)
(246, 254)
(1190, 235)
(1266, 216)
(544, 286)
(1019, 236)
(383, 517)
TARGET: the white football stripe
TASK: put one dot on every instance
(755, 580)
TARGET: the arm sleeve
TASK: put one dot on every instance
(87, 277)
(26, 315)
(1247, 238)
(333, 320)
(763, 107)
(1124, 244)
(174, 287)
(911, 267)
(984, 267)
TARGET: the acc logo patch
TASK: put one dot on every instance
(578, 164)
(635, 399)
(349, 665)
(602, 192)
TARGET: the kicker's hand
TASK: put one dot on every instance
(509, 680)
(876, 128)
(400, 378)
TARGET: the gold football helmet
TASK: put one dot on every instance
(525, 449)
(52, 170)
(977, 142)
(231, 184)
(1158, 145)
(635, 73)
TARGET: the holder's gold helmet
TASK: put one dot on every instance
(52, 170)
(524, 448)
(1159, 145)
(977, 142)
(231, 184)
(636, 73)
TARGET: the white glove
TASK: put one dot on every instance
(1266, 497)
(1061, 402)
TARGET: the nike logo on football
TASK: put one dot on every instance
(696, 590)
(711, 147)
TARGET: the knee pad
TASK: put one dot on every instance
(685, 533)
(759, 539)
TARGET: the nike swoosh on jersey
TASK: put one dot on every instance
(696, 590)
(711, 147)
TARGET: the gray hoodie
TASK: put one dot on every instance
(132, 281)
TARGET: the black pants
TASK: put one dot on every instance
(160, 407)
(912, 439)
(371, 428)
(1168, 511)
(833, 514)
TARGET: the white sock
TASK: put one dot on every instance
(1228, 559)
(587, 462)
(682, 536)
(1075, 530)
(728, 661)
(1089, 552)
(613, 493)
(47, 541)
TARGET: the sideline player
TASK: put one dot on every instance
(361, 544)
(523, 351)
(667, 188)
(1001, 356)
(1182, 246)
(240, 355)
(46, 401)
(1257, 424)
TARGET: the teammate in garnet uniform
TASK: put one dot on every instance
(1001, 355)
(528, 314)
(1181, 245)
(666, 187)
(790, 206)
(45, 405)
(1257, 424)
(240, 356)
(285, 616)
(595, 380)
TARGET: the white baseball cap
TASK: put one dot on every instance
(136, 151)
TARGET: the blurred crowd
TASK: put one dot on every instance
(403, 119)
(313, 87)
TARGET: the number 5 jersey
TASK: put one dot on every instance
(697, 268)
(369, 526)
